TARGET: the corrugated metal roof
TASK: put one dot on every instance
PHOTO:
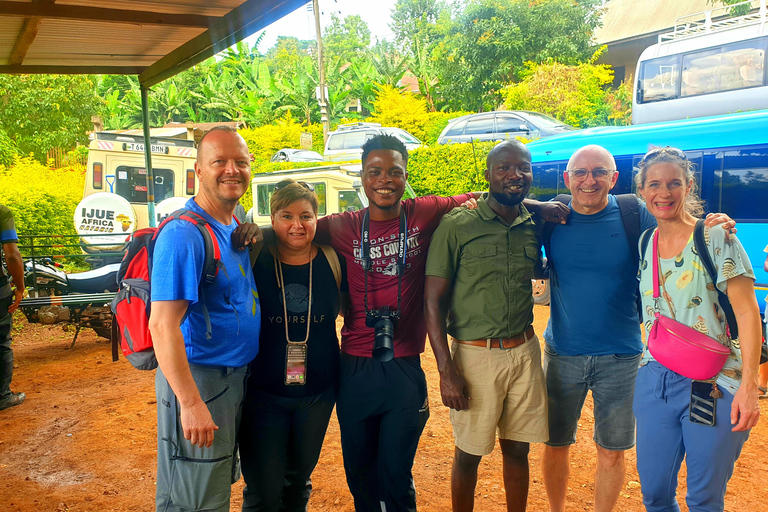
(627, 19)
(153, 39)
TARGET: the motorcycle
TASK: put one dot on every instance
(80, 299)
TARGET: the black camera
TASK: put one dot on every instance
(383, 322)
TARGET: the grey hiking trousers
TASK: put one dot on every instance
(191, 478)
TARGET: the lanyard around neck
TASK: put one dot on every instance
(365, 248)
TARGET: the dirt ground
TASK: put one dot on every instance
(84, 440)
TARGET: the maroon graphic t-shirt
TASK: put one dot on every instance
(343, 230)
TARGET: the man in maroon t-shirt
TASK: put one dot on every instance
(382, 406)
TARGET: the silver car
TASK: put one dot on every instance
(501, 125)
(346, 143)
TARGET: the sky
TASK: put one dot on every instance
(301, 22)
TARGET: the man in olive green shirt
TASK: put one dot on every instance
(478, 290)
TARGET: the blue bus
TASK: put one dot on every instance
(731, 157)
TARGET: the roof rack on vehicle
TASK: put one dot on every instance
(356, 126)
(705, 22)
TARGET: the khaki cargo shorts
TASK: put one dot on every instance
(508, 394)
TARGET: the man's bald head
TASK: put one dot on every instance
(512, 145)
(592, 153)
(213, 133)
(590, 176)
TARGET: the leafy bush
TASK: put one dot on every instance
(574, 94)
(42, 200)
(8, 149)
(405, 110)
(447, 170)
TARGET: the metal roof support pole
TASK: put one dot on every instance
(148, 156)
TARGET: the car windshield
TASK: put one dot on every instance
(404, 136)
(544, 121)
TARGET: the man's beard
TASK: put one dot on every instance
(506, 200)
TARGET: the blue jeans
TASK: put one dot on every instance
(611, 378)
(665, 435)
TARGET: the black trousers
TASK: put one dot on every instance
(6, 354)
(280, 442)
(382, 410)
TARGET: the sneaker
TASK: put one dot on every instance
(14, 399)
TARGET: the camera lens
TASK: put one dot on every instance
(383, 348)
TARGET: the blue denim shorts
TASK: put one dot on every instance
(611, 378)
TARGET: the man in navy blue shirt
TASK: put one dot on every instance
(200, 381)
(593, 340)
(593, 337)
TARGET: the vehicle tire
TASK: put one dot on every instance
(104, 332)
(541, 292)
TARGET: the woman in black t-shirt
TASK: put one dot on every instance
(292, 388)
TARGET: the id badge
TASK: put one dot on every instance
(296, 364)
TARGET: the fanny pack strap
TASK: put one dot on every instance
(657, 278)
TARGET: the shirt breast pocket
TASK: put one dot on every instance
(530, 261)
(480, 260)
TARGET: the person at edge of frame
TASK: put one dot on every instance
(10, 298)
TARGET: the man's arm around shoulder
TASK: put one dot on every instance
(164, 325)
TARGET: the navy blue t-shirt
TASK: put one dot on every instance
(232, 299)
(593, 294)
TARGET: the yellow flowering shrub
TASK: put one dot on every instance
(42, 200)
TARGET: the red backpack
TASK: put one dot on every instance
(132, 302)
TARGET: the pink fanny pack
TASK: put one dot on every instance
(680, 348)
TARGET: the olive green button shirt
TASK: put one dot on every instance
(490, 265)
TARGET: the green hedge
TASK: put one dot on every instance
(448, 169)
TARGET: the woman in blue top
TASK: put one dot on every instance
(665, 432)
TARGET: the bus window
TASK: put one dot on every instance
(744, 182)
(264, 193)
(347, 199)
(658, 79)
(733, 66)
(131, 183)
(547, 181)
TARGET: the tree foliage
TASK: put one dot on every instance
(490, 41)
(576, 95)
(42, 199)
(348, 38)
(41, 112)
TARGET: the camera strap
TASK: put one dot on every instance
(402, 249)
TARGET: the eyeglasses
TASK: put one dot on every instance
(598, 174)
(668, 150)
(283, 184)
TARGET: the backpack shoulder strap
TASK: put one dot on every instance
(644, 241)
(630, 217)
(549, 227)
(333, 261)
(706, 259)
(211, 258)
